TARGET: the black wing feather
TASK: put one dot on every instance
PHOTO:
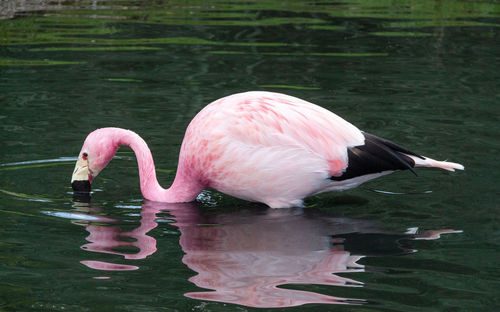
(374, 156)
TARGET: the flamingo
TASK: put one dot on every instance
(258, 146)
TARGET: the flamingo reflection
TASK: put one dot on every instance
(247, 257)
(111, 239)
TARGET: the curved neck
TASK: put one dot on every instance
(184, 189)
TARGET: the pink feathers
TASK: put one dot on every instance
(260, 146)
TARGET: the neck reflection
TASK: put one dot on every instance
(249, 257)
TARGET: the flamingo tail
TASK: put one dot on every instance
(379, 155)
(429, 162)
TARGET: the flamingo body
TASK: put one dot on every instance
(259, 146)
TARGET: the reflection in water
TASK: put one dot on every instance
(247, 258)
(110, 239)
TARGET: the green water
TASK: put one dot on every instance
(421, 73)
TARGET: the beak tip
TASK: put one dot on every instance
(81, 186)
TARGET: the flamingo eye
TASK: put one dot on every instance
(85, 155)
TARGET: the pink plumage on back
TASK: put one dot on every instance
(267, 147)
(261, 146)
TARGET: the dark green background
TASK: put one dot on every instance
(421, 73)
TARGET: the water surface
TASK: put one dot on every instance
(422, 74)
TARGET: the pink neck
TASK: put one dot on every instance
(184, 189)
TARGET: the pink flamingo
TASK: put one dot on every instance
(258, 146)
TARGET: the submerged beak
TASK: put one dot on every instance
(82, 176)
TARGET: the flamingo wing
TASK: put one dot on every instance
(276, 120)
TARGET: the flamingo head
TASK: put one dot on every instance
(97, 151)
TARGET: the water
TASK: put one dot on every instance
(423, 74)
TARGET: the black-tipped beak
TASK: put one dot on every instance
(81, 186)
(81, 178)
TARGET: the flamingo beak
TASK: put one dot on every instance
(82, 176)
